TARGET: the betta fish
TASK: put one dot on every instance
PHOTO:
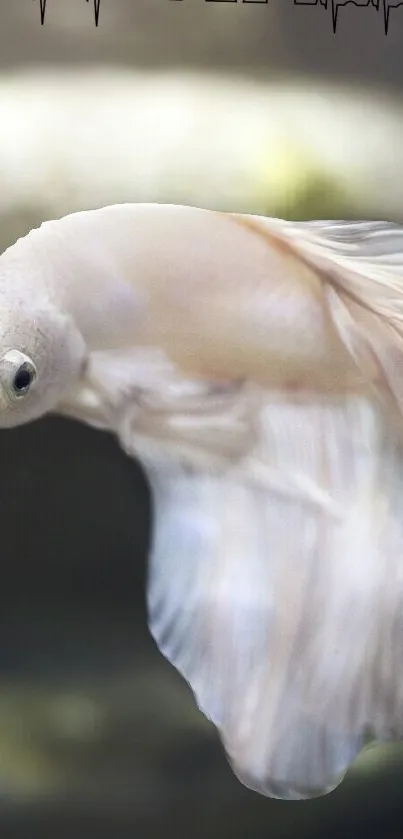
(254, 367)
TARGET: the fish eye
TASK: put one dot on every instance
(23, 378)
(21, 371)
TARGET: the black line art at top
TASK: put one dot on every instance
(96, 3)
(383, 6)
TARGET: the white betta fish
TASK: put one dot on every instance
(255, 367)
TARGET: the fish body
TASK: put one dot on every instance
(253, 366)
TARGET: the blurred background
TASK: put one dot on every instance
(255, 107)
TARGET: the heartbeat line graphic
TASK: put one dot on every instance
(383, 6)
(97, 3)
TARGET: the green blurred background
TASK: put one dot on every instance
(249, 107)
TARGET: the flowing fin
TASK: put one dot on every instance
(361, 264)
(282, 607)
